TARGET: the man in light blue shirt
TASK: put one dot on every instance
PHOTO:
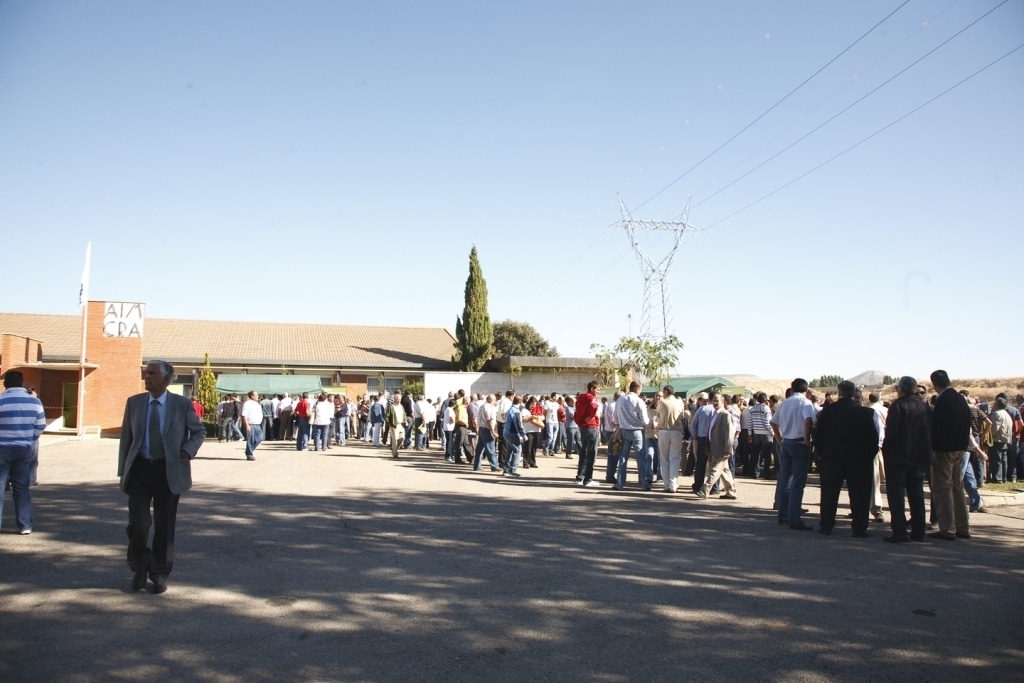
(700, 426)
(631, 417)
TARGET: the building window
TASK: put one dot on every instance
(391, 384)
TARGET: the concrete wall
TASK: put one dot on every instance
(440, 383)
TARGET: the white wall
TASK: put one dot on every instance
(440, 383)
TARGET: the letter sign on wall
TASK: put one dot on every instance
(122, 319)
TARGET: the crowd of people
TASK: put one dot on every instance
(875, 448)
(945, 437)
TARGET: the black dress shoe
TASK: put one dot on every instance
(139, 580)
(942, 536)
(159, 585)
(801, 527)
(861, 534)
(892, 538)
(824, 532)
(783, 522)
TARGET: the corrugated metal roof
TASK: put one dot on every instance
(230, 342)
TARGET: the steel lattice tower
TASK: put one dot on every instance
(655, 325)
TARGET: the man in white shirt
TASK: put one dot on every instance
(486, 430)
(551, 424)
(793, 423)
(881, 412)
(252, 421)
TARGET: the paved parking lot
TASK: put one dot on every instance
(347, 565)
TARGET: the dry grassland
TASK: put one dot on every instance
(984, 389)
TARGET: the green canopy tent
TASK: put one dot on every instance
(268, 384)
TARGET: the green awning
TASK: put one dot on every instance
(268, 384)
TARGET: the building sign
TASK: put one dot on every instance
(122, 319)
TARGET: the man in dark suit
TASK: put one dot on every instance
(907, 450)
(160, 435)
(847, 438)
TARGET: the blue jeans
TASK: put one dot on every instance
(253, 439)
(343, 432)
(302, 435)
(573, 440)
(15, 462)
(485, 444)
(634, 439)
(320, 438)
(971, 484)
(653, 453)
(550, 437)
(515, 447)
(794, 465)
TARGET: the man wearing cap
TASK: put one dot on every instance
(160, 435)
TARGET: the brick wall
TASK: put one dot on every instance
(119, 374)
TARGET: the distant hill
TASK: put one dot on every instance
(870, 378)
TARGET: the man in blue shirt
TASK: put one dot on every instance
(700, 426)
(21, 423)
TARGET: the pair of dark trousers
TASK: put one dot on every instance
(147, 486)
(460, 444)
(858, 475)
(760, 456)
(588, 453)
(700, 469)
(905, 483)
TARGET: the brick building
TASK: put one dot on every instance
(349, 359)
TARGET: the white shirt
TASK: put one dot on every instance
(252, 412)
(550, 411)
(792, 413)
(485, 415)
(323, 412)
(630, 412)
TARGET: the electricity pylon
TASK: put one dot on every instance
(655, 325)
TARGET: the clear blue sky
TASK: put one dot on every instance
(335, 161)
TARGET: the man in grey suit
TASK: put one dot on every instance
(160, 434)
(720, 449)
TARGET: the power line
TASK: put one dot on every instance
(852, 105)
(859, 143)
(771, 108)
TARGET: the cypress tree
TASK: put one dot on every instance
(474, 335)
(206, 391)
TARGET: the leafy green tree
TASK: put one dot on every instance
(830, 380)
(514, 338)
(474, 334)
(414, 386)
(652, 360)
(888, 379)
(610, 372)
(206, 390)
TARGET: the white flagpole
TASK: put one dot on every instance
(83, 307)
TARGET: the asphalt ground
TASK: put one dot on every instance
(347, 565)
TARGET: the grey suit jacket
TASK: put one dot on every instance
(183, 435)
(720, 437)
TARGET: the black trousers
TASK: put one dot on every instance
(905, 484)
(147, 486)
(858, 475)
